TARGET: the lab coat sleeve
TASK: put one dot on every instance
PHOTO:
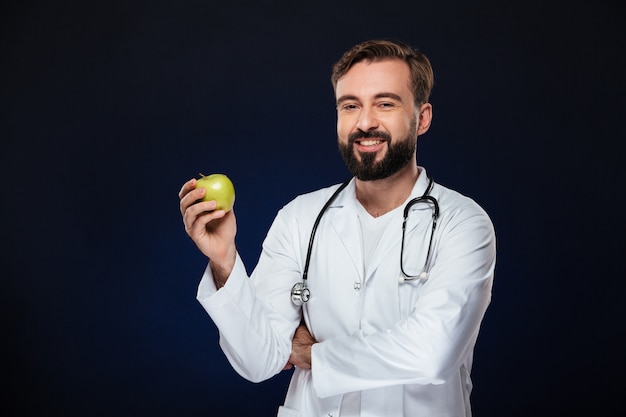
(438, 335)
(256, 322)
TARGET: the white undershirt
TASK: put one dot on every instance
(372, 229)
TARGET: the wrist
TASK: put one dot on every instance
(222, 268)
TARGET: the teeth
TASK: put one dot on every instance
(370, 142)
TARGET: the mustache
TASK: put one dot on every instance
(372, 134)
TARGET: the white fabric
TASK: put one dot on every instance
(350, 404)
(371, 231)
(406, 346)
(373, 227)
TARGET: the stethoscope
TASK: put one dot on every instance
(300, 292)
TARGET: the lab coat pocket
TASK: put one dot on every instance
(287, 412)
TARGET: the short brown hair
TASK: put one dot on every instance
(381, 49)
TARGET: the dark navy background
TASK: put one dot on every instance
(108, 107)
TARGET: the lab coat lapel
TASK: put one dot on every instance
(343, 218)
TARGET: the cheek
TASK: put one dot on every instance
(343, 129)
(403, 127)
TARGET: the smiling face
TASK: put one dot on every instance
(377, 120)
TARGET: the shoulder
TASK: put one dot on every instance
(456, 208)
(310, 202)
(295, 220)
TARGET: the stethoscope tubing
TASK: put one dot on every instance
(425, 271)
(317, 222)
(300, 293)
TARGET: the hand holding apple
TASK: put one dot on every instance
(219, 188)
(213, 231)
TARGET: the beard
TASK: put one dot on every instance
(399, 154)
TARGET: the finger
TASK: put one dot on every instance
(200, 207)
(199, 225)
(287, 366)
(199, 211)
(192, 197)
(188, 186)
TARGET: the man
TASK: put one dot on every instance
(392, 318)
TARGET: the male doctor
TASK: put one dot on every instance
(392, 319)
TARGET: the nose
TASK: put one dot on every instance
(367, 120)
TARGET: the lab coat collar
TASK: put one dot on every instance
(420, 187)
(421, 184)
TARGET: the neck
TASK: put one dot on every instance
(381, 196)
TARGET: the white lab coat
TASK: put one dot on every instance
(406, 346)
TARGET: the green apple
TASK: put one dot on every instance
(219, 188)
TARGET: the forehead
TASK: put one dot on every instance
(368, 78)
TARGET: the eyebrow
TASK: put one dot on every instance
(347, 97)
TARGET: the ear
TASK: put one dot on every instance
(425, 116)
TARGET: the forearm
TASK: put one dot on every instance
(256, 341)
(415, 351)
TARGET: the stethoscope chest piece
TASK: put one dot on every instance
(300, 294)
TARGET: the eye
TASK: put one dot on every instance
(348, 107)
(386, 105)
